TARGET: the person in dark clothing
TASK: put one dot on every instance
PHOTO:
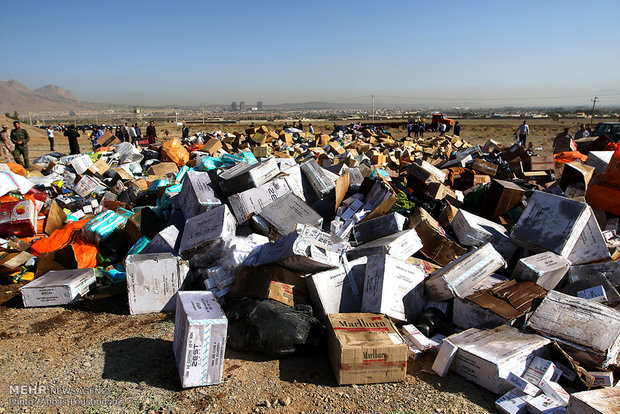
(20, 138)
(125, 130)
(185, 131)
(300, 126)
(457, 128)
(72, 135)
(151, 133)
(409, 128)
(138, 131)
(118, 133)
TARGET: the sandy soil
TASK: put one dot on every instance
(128, 360)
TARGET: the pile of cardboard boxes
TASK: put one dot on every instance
(488, 256)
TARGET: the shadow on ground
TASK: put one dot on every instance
(138, 360)
(309, 369)
(452, 383)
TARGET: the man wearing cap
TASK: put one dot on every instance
(6, 144)
(20, 139)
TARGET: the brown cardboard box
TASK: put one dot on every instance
(98, 168)
(501, 197)
(212, 146)
(437, 247)
(542, 163)
(281, 292)
(261, 151)
(366, 348)
(576, 173)
(251, 282)
(161, 169)
(484, 167)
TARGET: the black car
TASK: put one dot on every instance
(604, 133)
(612, 129)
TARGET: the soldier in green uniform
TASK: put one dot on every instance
(20, 138)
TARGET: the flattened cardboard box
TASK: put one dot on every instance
(199, 343)
(484, 358)
(588, 331)
(338, 290)
(153, 281)
(365, 348)
(58, 287)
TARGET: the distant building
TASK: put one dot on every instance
(242, 106)
(259, 105)
(233, 106)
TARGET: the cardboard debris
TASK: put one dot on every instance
(60, 287)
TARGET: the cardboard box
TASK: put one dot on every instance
(166, 241)
(436, 246)
(81, 163)
(576, 173)
(609, 270)
(599, 160)
(365, 349)
(400, 245)
(204, 231)
(153, 281)
(588, 331)
(601, 401)
(212, 146)
(460, 277)
(563, 226)
(161, 169)
(394, 288)
(286, 212)
(58, 287)
(543, 405)
(555, 391)
(255, 199)
(18, 218)
(472, 230)
(522, 385)
(503, 303)
(252, 282)
(501, 197)
(379, 227)
(99, 168)
(244, 176)
(484, 358)
(426, 173)
(87, 185)
(484, 167)
(596, 288)
(546, 269)
(542, 163)
(445, 358)
(303, 252)
(513, 402)
(199, 344)
(197, 195)
(338, 290)
(320, 180)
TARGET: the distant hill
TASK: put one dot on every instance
(14, 96)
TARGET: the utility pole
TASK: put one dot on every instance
(203, 114)
(593, 104)
(373, 108)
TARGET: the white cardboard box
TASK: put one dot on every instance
(601, 401)
(546, 269)
(588, 331)
(444, 358)
(199, 344)
(485, 359)
(472, 230)
(543, 404)
(460, 277)
(204, 231)
(339, 290)
(58, 287)
(399, 245)
(164, 241)
(393, 287)
(513, 402)
(599, 160)
(255, 199)
(196, 194)
(153, 281)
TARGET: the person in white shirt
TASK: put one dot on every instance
(311, 129)
(442, 128)
(133, 134)
(523, 131)
(582, 132)
(50, 136)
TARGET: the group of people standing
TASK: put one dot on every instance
(133, 133)
(15, 144)
(417, 128)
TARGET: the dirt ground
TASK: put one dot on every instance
(94, 357)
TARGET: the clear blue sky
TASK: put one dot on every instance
(192, 52)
